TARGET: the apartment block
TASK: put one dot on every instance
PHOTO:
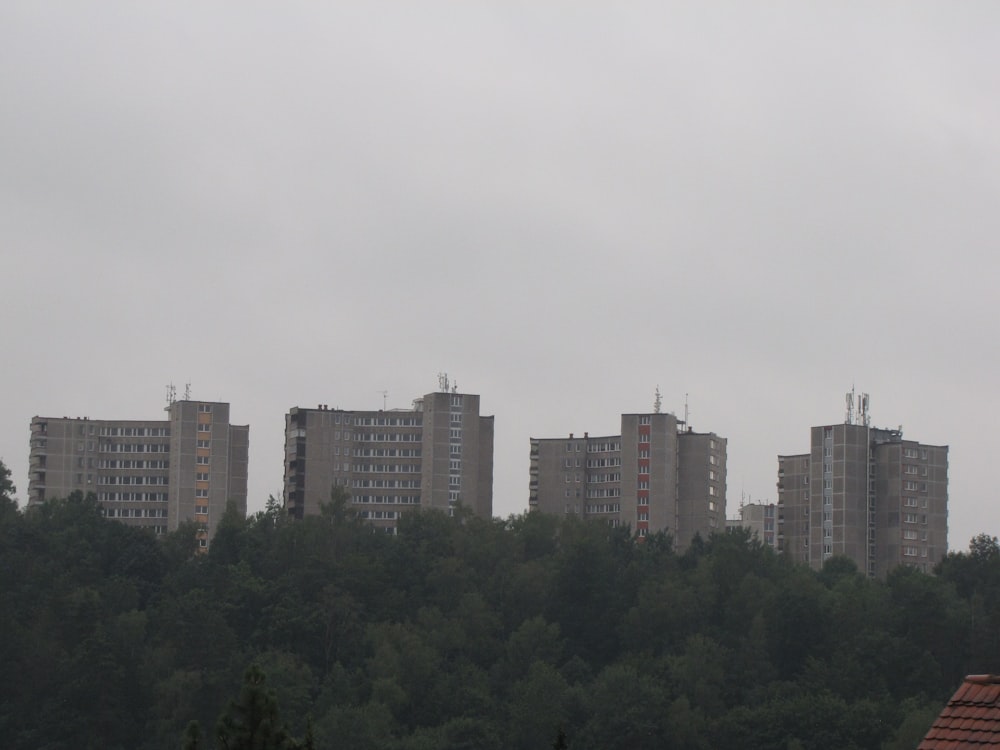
(761, 519)
(437, 454)
(657, 475)
(865, 493)
(150, 473)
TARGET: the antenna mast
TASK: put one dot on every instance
(385, 396)
(657, 402)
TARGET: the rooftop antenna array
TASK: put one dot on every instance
(443, 382)
(858, 408)
(171, 394)
(385, 396)
(657, 401)
(687, 411)
(187, 391)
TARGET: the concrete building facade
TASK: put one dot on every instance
(654, 476)
(438, 454)
(865, 493)
(154, 474)
(761, 519)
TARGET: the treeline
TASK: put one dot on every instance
(532, 632)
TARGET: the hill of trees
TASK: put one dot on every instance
(530, 632)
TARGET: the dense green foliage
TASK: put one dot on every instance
(532, 632)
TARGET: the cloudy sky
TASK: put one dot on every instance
(561, 204)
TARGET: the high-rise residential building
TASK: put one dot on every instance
(865, 493)
(657, 475)
(761, 519)
(438, 454)
(149, 473)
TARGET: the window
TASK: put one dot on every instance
(644, 419)
(204, 427)
(201, 493)
(204, 443)
(203, 460)
(201, 477)
(205, 408)
(711, 490)
(711, 504)
(201, 510)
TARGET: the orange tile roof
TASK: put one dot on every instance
(971, 719)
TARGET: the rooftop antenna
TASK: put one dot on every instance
(385, 396)
(454, 387)
(864, 403)
(849, 399)
(657, 401)
(171, 395)
(686, 410)
(187, 391)
(443, 382)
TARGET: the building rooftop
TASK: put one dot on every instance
(971, 719)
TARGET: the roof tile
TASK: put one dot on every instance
(970, 720)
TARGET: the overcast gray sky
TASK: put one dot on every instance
(561, 204)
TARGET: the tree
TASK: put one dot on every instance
(7, 488)
(253, 722)
(192, 737)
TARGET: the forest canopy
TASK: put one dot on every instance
(529, 632)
